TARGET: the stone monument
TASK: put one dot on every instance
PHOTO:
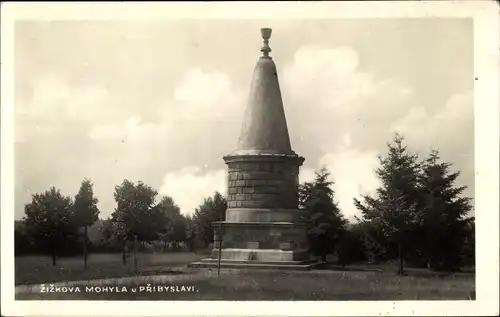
(261, 226)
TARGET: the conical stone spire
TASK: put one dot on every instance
(264, 129)
(261, 226)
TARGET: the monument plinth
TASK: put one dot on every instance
(261, 226)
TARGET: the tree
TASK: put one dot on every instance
(86, 211)
(394, 212)
(109, 239)
(446, 224)
(49, 219)
(24, 243)
(136, 215)
(351, 246)
(175, 223)
(190, 232)
(212, 209)
(374, 243)
(321, 214)
(468, 255)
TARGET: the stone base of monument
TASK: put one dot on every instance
(304, 265)
(259, 259)
(266, 245)
(265, 255)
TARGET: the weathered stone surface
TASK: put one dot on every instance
(263, 179)
(264, 125)
(268, 236)
(261, 255)
(253, 245)
(286, 246)
(271, 189)
(247, 190)
(261, 215)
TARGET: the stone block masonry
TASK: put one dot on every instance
(263, 184)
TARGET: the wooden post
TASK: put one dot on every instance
(401, 265)
(53, 249)
(85, 247)
(124, 252)
(135, 253)
(220, 249)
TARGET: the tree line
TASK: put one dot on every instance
(418, 216)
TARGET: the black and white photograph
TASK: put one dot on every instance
(262, 153)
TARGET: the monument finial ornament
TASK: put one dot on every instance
(266, 35)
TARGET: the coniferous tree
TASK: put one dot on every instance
(394, 211)
(321, 214)
(351, 247)
(374, 242)
(445, 211)
(468, 254)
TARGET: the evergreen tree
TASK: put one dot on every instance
(394, 211)
(375, 245)
(86, 212)
(468, 255)
(351, 246)
(445, 213)
(321, 214)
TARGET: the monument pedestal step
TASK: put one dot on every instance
(265, 265)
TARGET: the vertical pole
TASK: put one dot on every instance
(220, 249)
(85, 247)
(124, 252)
(53, 249)
(135, 253)
(401, 269)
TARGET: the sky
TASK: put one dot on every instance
(163, 101)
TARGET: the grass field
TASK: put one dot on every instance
(326, 284)
(39, 269)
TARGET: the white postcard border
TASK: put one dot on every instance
(486, 97)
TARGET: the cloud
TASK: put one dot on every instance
(423, 129)
(54, 98)
(327, 78)
(356, 112)
(52, 105)
(210, 89)
(132, 132)
(450, 130)
(352, 113)
(306, 174)
(353, 173)
(346, 100)
(107, 108)
(199, 97)
(190, 185)
(65, 116)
